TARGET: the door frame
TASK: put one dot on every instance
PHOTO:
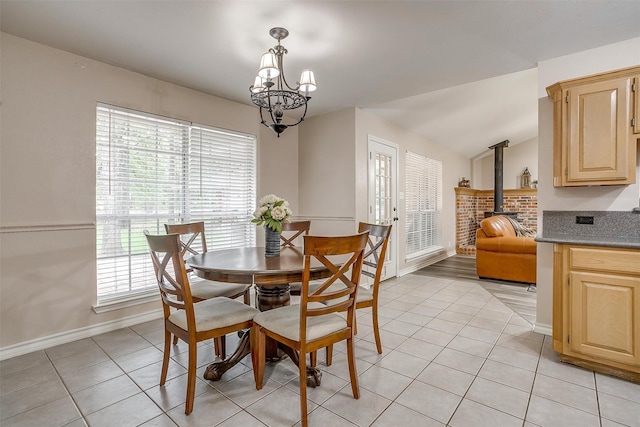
(392, 249)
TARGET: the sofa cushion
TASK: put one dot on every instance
(497, 226)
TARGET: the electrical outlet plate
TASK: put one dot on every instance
(584, 220)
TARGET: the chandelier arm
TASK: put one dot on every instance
(282, 79)
(270, 109)
(304, 113)
(262, 118)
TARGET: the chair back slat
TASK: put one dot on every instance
(297, 227)
(377, 250)
(332, 251)
(191, 234)
(170, 272)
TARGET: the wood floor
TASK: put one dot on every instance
(520, 297)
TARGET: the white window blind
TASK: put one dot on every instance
(153, 170)
(423, 199)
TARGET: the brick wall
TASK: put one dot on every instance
(471, 206)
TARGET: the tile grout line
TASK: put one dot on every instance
(479, 369)
(75, 404)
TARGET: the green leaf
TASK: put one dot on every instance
(273, 224)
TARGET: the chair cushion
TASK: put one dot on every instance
(295, 287)
(205, 289)
(215, 313)
(364, 294)
(285, 321)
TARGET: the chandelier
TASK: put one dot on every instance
(271, 92)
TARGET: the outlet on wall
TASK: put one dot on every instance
(584, 220)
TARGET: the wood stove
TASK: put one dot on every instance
(498, 181)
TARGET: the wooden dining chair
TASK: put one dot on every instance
(193, 242)
(290, 232)
(297, 228)
(374, 258)
(312, 325)
(190, 321)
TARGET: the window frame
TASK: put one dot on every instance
(223, 169)
(423, 206)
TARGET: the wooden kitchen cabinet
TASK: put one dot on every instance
(595, 139)
(596, 308)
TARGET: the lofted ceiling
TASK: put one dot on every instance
(460, 73)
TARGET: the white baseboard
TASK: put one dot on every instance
(543, 329)
(76, 334)
(427, 262)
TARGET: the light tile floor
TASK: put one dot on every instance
(453, 355)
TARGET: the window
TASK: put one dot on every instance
(153, 170)
(423, 200)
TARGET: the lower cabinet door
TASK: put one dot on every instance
(604, 312)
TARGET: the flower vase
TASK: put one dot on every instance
(272, 242)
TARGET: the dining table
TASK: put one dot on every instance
(271, 277)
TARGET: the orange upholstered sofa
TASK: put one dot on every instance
(501, 254)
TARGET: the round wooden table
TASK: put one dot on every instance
(271, 277)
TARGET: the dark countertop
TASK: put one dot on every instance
(607, 228)
(613, 242)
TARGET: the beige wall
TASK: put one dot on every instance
(605, 198)
(47, 179)
(454, 166)
(515, 159)
(327, 171)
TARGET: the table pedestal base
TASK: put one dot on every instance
(268, 298)
(215, 370)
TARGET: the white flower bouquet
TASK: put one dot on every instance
(272, 212)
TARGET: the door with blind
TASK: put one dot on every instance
(382, 198)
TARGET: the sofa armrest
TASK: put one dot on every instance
(518, 245)
(480, 234)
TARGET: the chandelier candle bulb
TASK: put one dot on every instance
(258, 85)
(307, 81)
(268, 66)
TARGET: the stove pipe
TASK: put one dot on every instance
(498, 167)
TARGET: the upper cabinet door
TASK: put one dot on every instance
(598, 133)
(594, 139)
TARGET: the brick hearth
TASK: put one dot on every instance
(471, 206)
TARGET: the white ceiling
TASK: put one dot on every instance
(461, 73)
